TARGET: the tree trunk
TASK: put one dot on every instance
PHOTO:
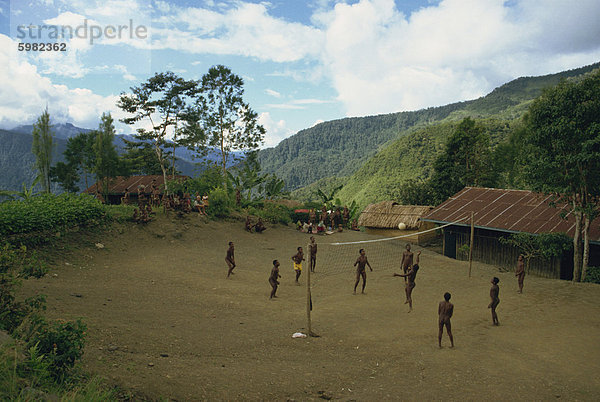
(586, 245)
(577, 246)
(161, 160)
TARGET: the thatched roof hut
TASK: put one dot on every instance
(389, 214)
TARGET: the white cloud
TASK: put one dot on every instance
(276, 130)
(297, 104)
(25, 93)
(246, 29)
(381, 61)
(273, 93)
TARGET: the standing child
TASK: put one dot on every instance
(410, 276)
(360, 264)
(520, 272)
(230, 259)
(494, 293)
(445, 311)
(298, 258)
(274, 278)
(312, 247)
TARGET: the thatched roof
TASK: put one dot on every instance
(388, 214)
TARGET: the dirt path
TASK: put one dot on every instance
(165, 322)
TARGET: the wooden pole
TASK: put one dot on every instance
(471, 245)
(308, 300)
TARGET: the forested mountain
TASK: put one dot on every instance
(17, 162)
(341, 147)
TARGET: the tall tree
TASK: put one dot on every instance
(562, 154)
(161, 102)
(140, 158)
(221, 118)
(107, 158)
(80, 153)
(66, 175)
(464, 162)
(43, 143)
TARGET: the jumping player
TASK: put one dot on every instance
(312, 247)
(407, 260)
(230, 259)
(410, 281)
(445, 311)
(494, 293)
(273, 279)
(520, 272)
(298, 258)
(361, 261)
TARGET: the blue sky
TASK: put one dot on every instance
(302, 62)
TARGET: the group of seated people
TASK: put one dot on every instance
(308, 227)
(259, 226)
(143, 214)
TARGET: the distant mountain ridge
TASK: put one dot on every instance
(341, 147)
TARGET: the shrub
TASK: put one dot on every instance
(220, 203)
(49, 212)
(273, 213)
(592, 275)
(61, 343)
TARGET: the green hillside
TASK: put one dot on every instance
(409, 157)
(339, 148)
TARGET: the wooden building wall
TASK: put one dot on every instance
(488, 249)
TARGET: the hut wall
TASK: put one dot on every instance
(488, 249)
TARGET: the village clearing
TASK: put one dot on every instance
(164, 322)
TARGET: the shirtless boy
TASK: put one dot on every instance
(520, 272)
(360, 264)
(312, 247)
(298, 258)
(410, 276)
(274, 278)
(494, 293)
(407, 260)
(230, 259)
(445, 311)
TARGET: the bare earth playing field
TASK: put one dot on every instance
(164, 322)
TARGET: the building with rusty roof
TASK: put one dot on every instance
(498, 213)
(118, 186)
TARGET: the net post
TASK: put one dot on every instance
(308, 303)
(471, 245)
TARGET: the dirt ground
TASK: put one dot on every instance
(164, 322)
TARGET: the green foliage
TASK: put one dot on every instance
(49, 213)
(562, 151)
(544, 245)
(220, 203)
(61, 343)
(220, 118)
(119, 213)
(140, 158)
(42, 148)
(207, 181)
(309, 193)
(65, 175)
(161, 101)
(592, 275)
(273, 212)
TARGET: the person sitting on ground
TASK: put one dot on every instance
(299, 225)
(260, 226)
(305, 227)
(355, 225)
(199, 205)
(310, 228)
(340, 229)
(321, 227)
(249, 224)
(136, 215)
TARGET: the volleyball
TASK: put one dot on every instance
(401, 226)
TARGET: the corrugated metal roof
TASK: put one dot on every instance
(508, 210)
(119, 184)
